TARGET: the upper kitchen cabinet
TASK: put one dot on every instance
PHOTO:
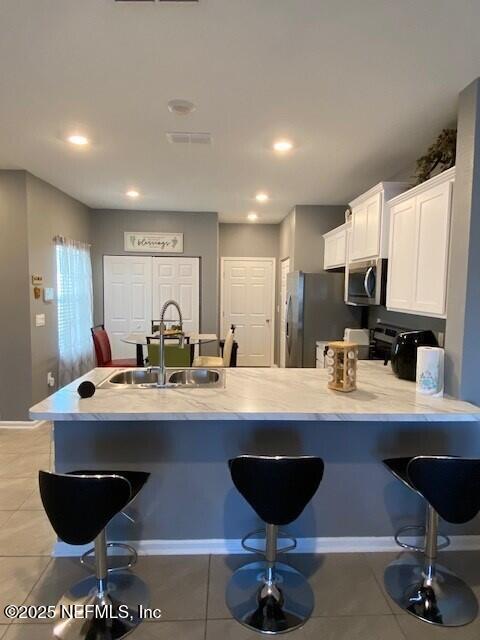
(418, 248)
(335, 255)
(370, 221)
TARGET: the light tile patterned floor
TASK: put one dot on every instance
(350, 601)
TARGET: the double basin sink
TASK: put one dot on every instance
(181, 378)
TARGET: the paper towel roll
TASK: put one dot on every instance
(430, 366)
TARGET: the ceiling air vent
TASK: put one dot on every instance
(186, 137)
(165, 1)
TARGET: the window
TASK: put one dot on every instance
(74, 309)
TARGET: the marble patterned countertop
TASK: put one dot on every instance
(260, 394)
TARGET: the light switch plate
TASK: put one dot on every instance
(48, 294)
(40, 320)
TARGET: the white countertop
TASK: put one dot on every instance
(260, 394)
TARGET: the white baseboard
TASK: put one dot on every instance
(304, 545)
(19, 424)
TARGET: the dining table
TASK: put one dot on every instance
(192, 338)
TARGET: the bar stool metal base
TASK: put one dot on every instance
(283, 607)
(125, 592)
(445, 600)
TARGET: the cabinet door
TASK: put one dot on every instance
(366, 230)
(329, 255)
(373, 208)
(340, 248)
(433, 233)
(401, 264)
(335, 250)
(359, 232)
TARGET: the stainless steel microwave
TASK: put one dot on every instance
(366, 282)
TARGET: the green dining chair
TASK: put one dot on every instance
(175, 355)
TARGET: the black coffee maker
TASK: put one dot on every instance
(404, 351)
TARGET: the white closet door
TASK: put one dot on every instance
(127, 300)
(177, 279)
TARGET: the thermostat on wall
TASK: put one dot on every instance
(48, 294)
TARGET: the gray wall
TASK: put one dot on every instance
(190, 494)
(311, 222)
(300, 238)
(200, 240)
(50, 212)
(253, 241)
(406, 320)
(462, 343)
(287, 238)
(249, 240)
(32, 212)
(15, 373)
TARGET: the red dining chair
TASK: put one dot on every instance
(103, 350)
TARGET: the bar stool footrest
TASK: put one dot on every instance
(418, 531)
(283, 534)
(89, 562)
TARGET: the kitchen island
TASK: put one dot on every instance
(185, 437)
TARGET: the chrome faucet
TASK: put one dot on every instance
(162, 376)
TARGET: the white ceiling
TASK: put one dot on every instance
(362, 87)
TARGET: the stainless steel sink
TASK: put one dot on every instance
(194, 377)
(134, 376)
(180, 378)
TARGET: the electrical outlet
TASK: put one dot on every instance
(50, 379)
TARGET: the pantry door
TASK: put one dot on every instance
(127, 300)
(247, 301)
(177, 279)
(285, 270)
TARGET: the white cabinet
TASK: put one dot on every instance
(335, 248)
(419, 244)
(370, 221)
(402, 255)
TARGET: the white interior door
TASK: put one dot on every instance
(177, 279)
(127, 300)
(248, 295)
(283, 309)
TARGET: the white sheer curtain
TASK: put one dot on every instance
(75, 308)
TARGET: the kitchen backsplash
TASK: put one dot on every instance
(407, 320)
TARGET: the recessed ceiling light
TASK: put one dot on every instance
(78, 140)
(252, 216)
(132, 193)
(262, 197)
(283, 146)
(181, 107)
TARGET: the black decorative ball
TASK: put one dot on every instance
(86, 389)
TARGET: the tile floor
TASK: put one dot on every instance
(351, 603)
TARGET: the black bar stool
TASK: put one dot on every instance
(398, 468)
(137, 480)
(268, 596)
(79, 507)
(430, 592)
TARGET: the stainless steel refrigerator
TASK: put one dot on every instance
(315, 311)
